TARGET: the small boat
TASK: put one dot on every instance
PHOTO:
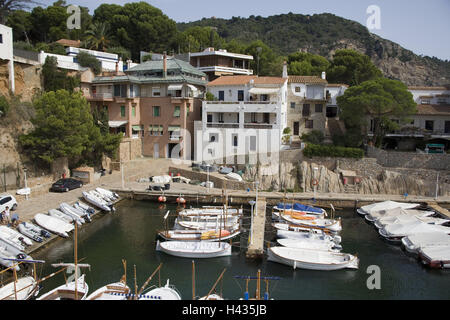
(53, 224)
(195, 235)
(381, 223)
(23, 288)
(385, 205)
(435, 257)
(99, 203)
(194, 249)
(198, 225)
(313, 244)
(374, 216)
(108, 193)
(5, 261)
(10, 250)
(414, 242)
(68, 291)
(300, 209)
(210, 212)
(225, 170)
(312, 259)
(84, 209)
(161, 179)
(24, 191)
(396, 232)
(332, 225)
(69, 210)
(60, 215)
(292, 231)
(31, 231)
(14, 236)
(233, 176)
(168, 292)
(102, 196)
(114, 291)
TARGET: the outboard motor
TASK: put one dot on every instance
(337, 239)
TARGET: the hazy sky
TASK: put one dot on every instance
(417, 25)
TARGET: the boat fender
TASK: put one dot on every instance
(266, 296)
(246, 295)
(295, 264)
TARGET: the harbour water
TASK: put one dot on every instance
(130, 234)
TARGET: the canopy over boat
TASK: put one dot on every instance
(298, 207)
(386, 205)
(406, 229)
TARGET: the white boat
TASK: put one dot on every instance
(161, 179)
(416, 241)
(14, 236)
(435, 257)
(396, 232)
(5, 255)
(114, 291)
(332, 225)
(85, 210)
(99, 203)
(109, 193)
(27, 230)
(12, 251)
(60, 215)
(199, 225)
(68, 291)
(70, 211)
(194, 249)
(53, 224)
(312, 259)
(291, 231)
(195, 235)
(313, 244)
(168, 292)
(210, 213)
(212, 296)
(21, 289)
(102, 196)
(233, 176)
(24, 191)
(385, 205)
(381, 223)
(396, 212)
(300, 209)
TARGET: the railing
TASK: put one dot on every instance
(222, 125)
(239, 102)
(258, 126)
(100, 96)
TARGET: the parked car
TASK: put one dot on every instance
(9, 201)
(66, 184)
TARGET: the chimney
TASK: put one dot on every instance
(117, 67)
(164, 65)
(324, 75)
(285, 72)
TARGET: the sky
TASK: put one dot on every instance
(420, 26)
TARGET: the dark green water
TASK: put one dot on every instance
(130, 234)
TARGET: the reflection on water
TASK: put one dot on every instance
(130, 234)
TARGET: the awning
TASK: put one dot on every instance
(173, 128)
(175, 87)
(263, 90)
(136, 128)
(116, 124)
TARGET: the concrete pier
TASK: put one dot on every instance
(256, 246)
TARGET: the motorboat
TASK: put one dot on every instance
(14, 236)
(53, 224)
(99, 203)
(32, 231)
(385, 205)
(195, 235)
(84, 209)
(332, 225)
(396, 212)
(60, 215)
(435, 257)
(9, 250)
(114, 291)
(233, 176)
(380, 223)
(194, 249)
(414, 242)
(312, 259)
(109, 200)
(74, 290)
(23, 288)
(198, 225)
(396, 232)
(298, 208)
(69, 210)
(109, 193)
(168, 292)
(312, 243)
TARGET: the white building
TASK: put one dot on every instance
(6, 52)
(109, 60)
(244, 123)
(332, 92)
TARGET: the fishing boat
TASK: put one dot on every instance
(312, 259)
(199, 225)
(195, 235)
(168, 292)
(414, 242)
(114, 291)
(435, 257)
(60, 215)
(211, 295)
(313, 244)
(23, 288)
(332, 225)
(258, 279)
(374, 216)
(32, 231)
(14, 236)
(9, 250)
(300, 209)
(385, 205)
(210, 213)
(194, 249)
(396, 232)
(292, 231)
(99, 203)
(53, 224)
(69, 210)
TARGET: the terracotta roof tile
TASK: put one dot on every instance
(270, 80)
(427, 88)
(307, 79)
(69, 43)
(231, 80)
(433, 109)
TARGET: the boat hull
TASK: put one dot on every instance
(198, 249)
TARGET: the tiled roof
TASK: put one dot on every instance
(69, 43)
(307, 79)
(433, 109)
(269, 80)
(172, 64)
(427, 88)
(337, 85)
(231, 80)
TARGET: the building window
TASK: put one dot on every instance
(429, 124)
(156, 91)
(240, 95)
(221, 117)
(447, 127)
(155, 130)
(252, 143)
(176, 112)
(122, 111)
(319, 108)
(309, 124)
(297, 89)
(133, 111)
(221, 95)
(234, 140)
(305, 111)
(292, 105)
(213, 137)
(209, 118)
(1, 38)
(156, 112)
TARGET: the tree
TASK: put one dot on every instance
(265, 59)
(89, 61)
(314, 137)
(4, 106)
(97, 36)
(64, 127)
(306, 64)
(49, 24)
(20, 22)
(383, 100)
(352, 68)
(55, 79)
(122, 52)
(8, 6)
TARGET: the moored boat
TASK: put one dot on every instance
(435, 257)
(385, 205)
(69, 210)
(23, 288)
(113, 291)
(194, 249)
(298, 208)
(396, 232)
(312, 244)
(414, 242)
(195, 235)
(99, 203)
(14, 236)
(168, 292)
(53, 224)
(332, 225)
(74, 290)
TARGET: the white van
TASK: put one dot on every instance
(7, 200)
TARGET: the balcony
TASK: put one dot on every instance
(245, 106)
(222, 125)
(100, 97)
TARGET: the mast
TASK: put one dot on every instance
(258, 285)
(148, 280)
(15, 283)
(76, 264)
(193, 280)
(135, 284)
(215, 284)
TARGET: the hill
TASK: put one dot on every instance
(323, 34)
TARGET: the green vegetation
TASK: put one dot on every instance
(313, 150)
(314, 137)
(89, 61)
(65, 127)
(4, 106)
(307, 64)
(55, 79)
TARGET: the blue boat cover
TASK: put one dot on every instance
(298, 207)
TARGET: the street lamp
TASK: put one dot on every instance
(252, 203)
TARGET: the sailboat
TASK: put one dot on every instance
(210, 295)
(113, 291)
(258, 279)
(74, 290)
(23, 288)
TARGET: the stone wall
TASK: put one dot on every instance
(410, 159)
(130, 149)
